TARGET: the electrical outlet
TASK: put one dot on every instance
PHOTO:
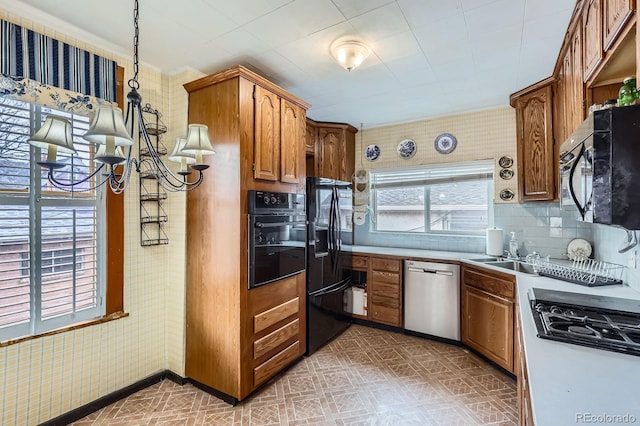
(631, 260)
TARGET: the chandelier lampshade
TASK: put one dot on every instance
(54, 135)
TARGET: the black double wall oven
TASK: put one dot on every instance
(277, 236)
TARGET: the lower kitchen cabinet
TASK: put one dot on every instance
(266, 334)
(525, 412)
(385, 290)
(487, 311)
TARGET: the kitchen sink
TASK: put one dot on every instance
(513, 265)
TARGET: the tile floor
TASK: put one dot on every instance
(364, 377)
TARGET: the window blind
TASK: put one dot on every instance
(50, 270)
(432, 174)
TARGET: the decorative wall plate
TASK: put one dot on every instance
(579, 249)
(407, 148)
(372, 152)
(507, 195)
(505, 161)
(506, 174)
(445, 143)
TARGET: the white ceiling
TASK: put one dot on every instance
(430, 57)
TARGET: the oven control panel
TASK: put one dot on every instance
(266, 202)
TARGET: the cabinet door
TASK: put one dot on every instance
(330, 156)
(267, 135)
(592, 37)
(487, 325)
(310, 140)
(536, 165)
(577, 85)
(290, 141)
(615, 14)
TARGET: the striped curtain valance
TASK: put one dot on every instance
(25, 53)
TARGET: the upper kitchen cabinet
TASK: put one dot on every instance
(267, 126)
(569, 99)
(592, 37)
(310, 140)
(334, 154)
(536, 154)
(609, 41)
(615, 15)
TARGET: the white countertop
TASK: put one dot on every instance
(567, 381)
(407, 252)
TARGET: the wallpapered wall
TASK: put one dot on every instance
(45, 377)
(481, 135)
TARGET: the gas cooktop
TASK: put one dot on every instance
(601, 322)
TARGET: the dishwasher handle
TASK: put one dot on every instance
(429, 271)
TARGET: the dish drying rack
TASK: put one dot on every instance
(587, 272)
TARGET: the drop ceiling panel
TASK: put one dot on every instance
(380, 23)
(294, 21)
(352, 8)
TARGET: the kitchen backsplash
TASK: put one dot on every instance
(608, 241)
(539, 227)
(543, 227)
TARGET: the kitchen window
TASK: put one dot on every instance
(51, 242)
(452, 198)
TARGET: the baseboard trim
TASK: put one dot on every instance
(215, 392)
(93, 406)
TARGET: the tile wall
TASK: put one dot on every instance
(43, 378)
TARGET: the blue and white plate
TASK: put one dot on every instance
(372, 152)
(445, 143)
(407, 149)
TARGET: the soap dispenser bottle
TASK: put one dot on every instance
(513, 246)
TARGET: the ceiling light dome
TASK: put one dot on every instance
(350, 53)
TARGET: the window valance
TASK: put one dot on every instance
(27, 54)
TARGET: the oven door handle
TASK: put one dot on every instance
(274, 224)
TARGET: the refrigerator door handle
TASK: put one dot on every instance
(339, 286)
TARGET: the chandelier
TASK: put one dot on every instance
(113, 137)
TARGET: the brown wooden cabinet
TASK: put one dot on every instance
(487, 309)
(592, 37)
(292, 124)
(334, 150)
(525, 412)
(238, 338)
(278, 137)
(385, 290)
(615, 15)
(536, 156)
(310, 139)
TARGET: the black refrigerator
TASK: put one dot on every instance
(329, 215)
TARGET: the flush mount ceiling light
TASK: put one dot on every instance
(113, 138)
(350, 53)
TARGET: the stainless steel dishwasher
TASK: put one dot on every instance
(432, 299)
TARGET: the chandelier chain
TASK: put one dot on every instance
(133, 83)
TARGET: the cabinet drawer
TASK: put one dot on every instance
(275, 338)
(388, 302)
(380, 264)
(386, 315)
(489, 282)
(275, 363)
(271, 316)
(386, 290)
(385, 277)
(359, 262)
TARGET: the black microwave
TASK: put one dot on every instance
(600, 168)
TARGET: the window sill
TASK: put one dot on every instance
(106, 318)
